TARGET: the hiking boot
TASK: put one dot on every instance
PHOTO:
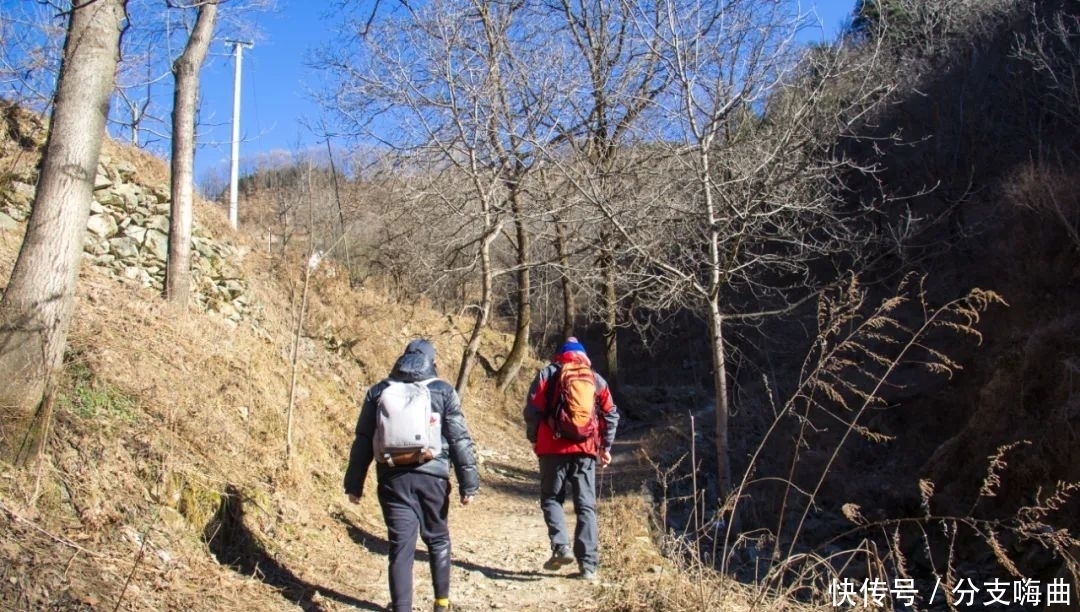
(588, 575)
(560, 558)
(441, 608)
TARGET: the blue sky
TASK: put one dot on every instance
(275, 100)
(275, 83)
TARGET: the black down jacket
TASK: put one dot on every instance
(416, 364)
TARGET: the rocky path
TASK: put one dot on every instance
(499, 545)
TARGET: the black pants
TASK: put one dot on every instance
(414, 502)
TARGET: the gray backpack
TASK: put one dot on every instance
(407, 430)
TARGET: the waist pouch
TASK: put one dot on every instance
(411, 457)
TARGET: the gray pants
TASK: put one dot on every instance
(578, 474)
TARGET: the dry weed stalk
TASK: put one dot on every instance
(314, 258)
(1027, 525)
(295, 358)
(15, 517)
(853, 361)
(134, 566)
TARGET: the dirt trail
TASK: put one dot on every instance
(499, 542)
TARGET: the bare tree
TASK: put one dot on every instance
(456, 85)
(139, 109)
(519, 100)
(621, 71)
(1045, 184)
(148, 56)
(30, 55)
(749, 205)
(36, 309)
(185, 98)
(139, 115)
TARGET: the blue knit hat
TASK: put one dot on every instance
(572, 345)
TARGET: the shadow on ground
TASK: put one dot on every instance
(378, 545)
(512, 480)
(233, 544)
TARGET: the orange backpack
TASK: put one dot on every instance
(572, 402)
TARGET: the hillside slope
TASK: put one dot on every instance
(166, 484)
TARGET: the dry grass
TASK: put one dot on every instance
(168, 450)
(168, 458)
(149, 168)
(166, 413)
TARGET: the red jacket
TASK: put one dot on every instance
(538, 428)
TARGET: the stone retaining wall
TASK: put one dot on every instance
(128, 236)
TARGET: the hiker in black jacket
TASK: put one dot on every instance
(416, 496)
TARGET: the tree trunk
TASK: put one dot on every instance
(513, 361)
(36, 309)
(569, 311)
(468, 358)
(341, 212)
(185, 97)
(611, 315)
(716, 338)
(716, 328)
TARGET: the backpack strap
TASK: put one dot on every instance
(549, 392)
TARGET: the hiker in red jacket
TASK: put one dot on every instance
(568, 458)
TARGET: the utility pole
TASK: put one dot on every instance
(234, 166)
